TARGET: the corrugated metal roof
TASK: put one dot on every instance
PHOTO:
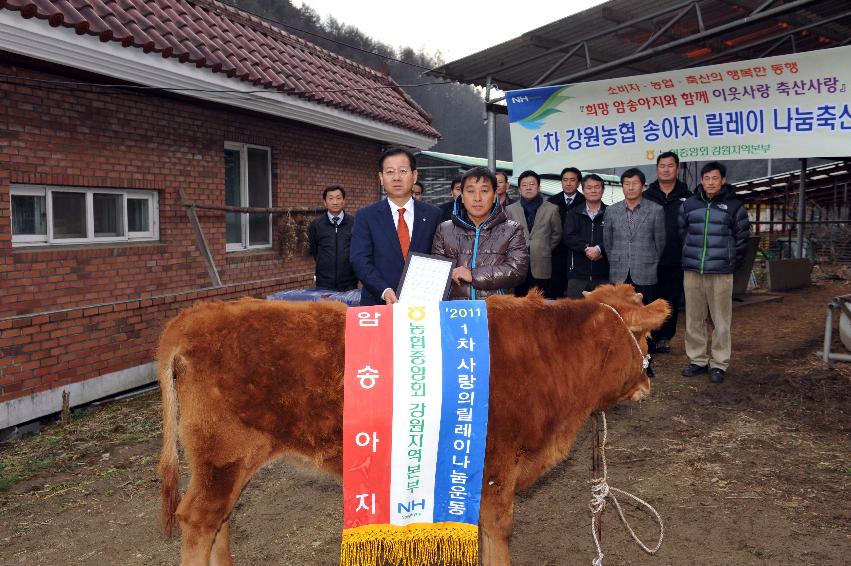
(822, 185)
(549, 186)
(731, 31)
(466, 160)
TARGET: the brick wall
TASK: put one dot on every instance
(72, 313)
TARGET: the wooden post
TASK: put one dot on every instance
(201, 241)
(66, 408)
(596, 465)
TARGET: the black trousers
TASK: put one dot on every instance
(649, 294)
(670, 288)
(522, 289)
(556, 287)
(575, 285)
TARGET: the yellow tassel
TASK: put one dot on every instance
(419, 544)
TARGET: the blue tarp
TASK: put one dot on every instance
(350, 298)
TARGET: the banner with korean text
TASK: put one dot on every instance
(414, 430)
(787, 106)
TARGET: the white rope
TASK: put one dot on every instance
(645, 359)
(601, 490)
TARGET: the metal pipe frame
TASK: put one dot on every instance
(781, 37)
(608, 31)
(491, 128)
(802, 204)
(827, 355)
(647, 53)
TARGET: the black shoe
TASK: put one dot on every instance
(663, 346)
(650, 373)
(692, 370)
(716, 375)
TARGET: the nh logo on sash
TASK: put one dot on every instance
(414, 430)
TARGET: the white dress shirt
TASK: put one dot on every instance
(409, 220)
(409, 215)
(339, 217)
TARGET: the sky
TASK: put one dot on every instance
(441, 25)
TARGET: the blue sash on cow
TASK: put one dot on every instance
(414, 430)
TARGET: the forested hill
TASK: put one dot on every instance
(457, 110)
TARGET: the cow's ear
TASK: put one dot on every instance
(586, 293)
(650, 317)
(639, 298)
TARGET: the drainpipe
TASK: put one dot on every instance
(801, 207)
(490, 120)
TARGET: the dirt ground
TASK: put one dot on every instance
(753, 471)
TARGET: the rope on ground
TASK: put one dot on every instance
(601, 490)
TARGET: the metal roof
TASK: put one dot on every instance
(466, 160)
(550, 184)
(632, 37)
(825, 184)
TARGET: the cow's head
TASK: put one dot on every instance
(640, 320)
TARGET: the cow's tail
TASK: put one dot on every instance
(169, 470)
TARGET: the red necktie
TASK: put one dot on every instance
(402, 232)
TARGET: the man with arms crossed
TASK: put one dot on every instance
(587, 266)
(387, 231)
(669, 192)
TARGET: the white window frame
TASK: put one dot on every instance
(243, 148)
(46, 191)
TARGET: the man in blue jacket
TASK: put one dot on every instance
(714, 228)
(387, 231)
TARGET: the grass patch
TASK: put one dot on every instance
(92, 432)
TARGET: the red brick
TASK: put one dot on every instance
(84, 279)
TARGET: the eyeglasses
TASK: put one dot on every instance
(402, 171)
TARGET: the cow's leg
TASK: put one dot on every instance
(495, 523)
(220, 555)
(210, 497)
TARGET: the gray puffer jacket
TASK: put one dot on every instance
(714, 231)
(495, 252)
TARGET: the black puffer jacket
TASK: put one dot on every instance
(496, 252)
(329, 246)
(714, 231)
(673, 253)
(580, 231)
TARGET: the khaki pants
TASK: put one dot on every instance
(712, 295)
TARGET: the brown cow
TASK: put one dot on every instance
(256, 380)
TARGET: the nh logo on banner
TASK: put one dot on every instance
(793, 105)
(414, 430)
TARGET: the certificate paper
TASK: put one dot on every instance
(426, 278)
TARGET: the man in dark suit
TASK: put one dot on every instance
(568, 199)
(387, 231)
(330, 236)
(670, 193)
(502, 186)
(447, 207)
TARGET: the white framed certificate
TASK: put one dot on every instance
(426, 278)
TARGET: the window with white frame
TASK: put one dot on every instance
(248, 182)
(46, 214)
